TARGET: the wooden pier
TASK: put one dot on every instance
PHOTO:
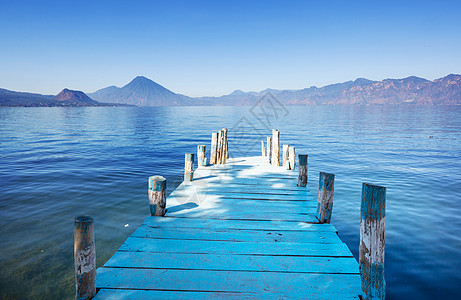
(240, 228)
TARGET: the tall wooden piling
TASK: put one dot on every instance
(285, 156)
(291, 158)
(263, 149)
(189, 167)
(325, 197)
(275, 147)
(268, 150)
(372, 240)
(214, 147)
(157, 195)
(227, 146)
(220, 147)
(224, 146)
(201, 156)
(302, 166)
(85, 258)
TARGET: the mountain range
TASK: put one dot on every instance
(142, 91)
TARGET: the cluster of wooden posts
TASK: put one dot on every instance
(372, 222)
(372, 212)
(272, 151)
(218, 155)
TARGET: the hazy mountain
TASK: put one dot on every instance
(141, 91)
(11, 98)
(66, 98)
(410, 90)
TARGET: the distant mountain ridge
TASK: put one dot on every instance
(142, 91)
(410, 90)
(66, 98)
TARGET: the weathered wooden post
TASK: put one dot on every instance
(268, 149)
(214, 147)
(157, 195)
(325, 197)
(224, 146)
(275, 147)
(372, 232)
(219, 152)
(263, 150)
(201, 156)
(302, 166)
(291, 158)
(285, 156)
(189, 167)
(85, 258)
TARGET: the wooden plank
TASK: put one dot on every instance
(118, 294)
(286, 285)
(223, 262)
(233, 188)
(286, 185)
(229, 214)
(237, 235)
(206, 193)
(229, 247)
(258, 207)
(168, 222)
(212, 201)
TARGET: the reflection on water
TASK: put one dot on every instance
(57, 163)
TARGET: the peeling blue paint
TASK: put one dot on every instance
(157, 183)
(373, 281)
(373, 202)
(302, 159)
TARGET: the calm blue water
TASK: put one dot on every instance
(57, 163)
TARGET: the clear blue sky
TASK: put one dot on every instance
(214, 47)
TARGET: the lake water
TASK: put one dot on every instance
(58, 163)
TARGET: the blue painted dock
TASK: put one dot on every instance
(242, 230)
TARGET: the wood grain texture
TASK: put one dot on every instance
(220, 147)
(372, 241)
(201, 156)
(275, 147)
(269, 149)
(325, 197)
(291, 158)
(84, 258)
(285, 156)
(214, 148)
(285, 285)
(121, 294)
(302, 168)
(157, 195)
(239, 235)
(224, 146)
(189, 167)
